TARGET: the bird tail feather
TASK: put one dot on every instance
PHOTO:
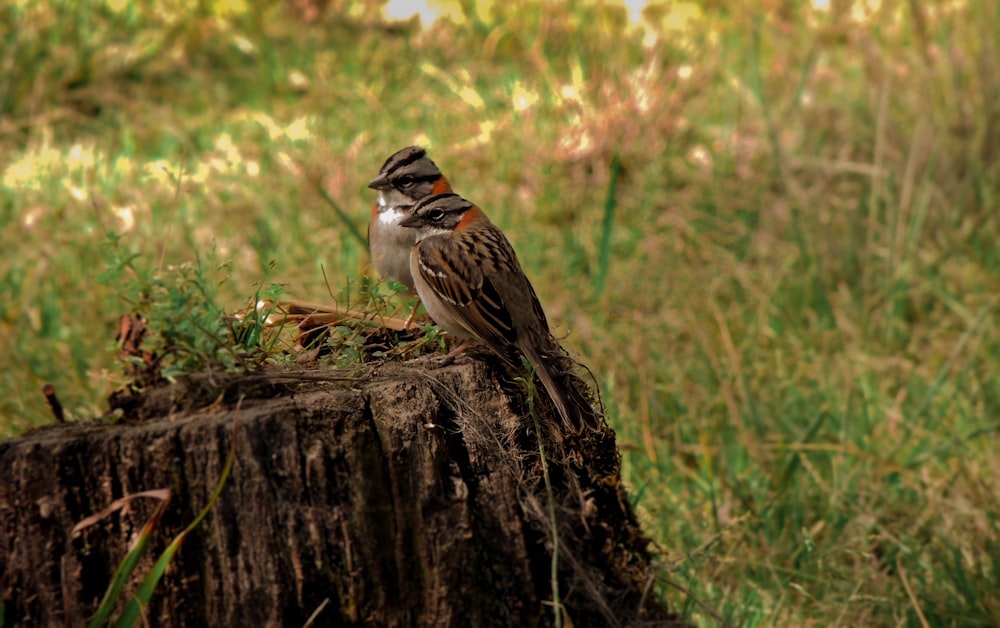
(565, 388)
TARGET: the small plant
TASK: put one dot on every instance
(260, 328)
(366, 336)
(188, 328)
(183, 328)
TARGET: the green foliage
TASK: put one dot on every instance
(180, 306)
(789, 293)
(252, 332)
(363, 340)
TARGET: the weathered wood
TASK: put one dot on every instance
(412, 497)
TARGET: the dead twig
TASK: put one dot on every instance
(57, 410)
(296, 311)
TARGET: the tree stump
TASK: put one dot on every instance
(411, 496)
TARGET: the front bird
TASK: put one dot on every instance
(467, 275)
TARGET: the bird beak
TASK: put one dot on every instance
(410, 221)
(380, 182)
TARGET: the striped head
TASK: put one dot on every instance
(406, 177)
(441, 214)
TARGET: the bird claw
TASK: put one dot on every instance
(451, 357)
(409, 319)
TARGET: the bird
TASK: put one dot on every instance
(469, 279)
(406, 177)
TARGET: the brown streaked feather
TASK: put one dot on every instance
(464, 268)
(475, 299)
(536, 306)
(504, 263)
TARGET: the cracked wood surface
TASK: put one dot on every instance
(408, 498)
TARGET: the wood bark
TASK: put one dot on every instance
(406, 497)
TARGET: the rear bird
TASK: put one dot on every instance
(405, 178)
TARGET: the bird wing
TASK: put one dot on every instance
(453, 276)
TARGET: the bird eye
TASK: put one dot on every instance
(435, 215)
(407, 182)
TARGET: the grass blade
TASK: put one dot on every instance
(127, 566)
(610, 203)
(130, 616)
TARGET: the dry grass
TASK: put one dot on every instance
(796, 333)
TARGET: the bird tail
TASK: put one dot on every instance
(567, 391)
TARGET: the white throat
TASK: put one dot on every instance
(389, 215)
(427, 232)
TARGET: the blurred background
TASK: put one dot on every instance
(770, 229)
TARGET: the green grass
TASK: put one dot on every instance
(789, 295)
